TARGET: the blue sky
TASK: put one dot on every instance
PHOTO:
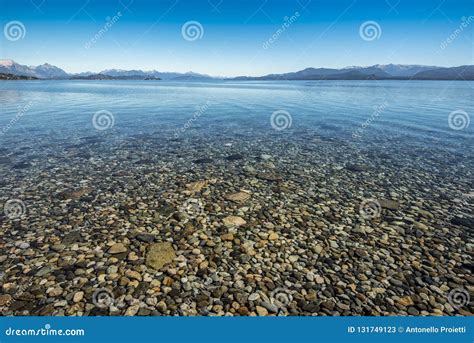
(148, 34)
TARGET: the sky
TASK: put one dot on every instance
(230, 37)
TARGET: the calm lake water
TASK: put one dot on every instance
(354, 181)
(354, 110)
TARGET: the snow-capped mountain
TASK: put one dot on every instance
(395, 70)
(403, 70)
(44, 71)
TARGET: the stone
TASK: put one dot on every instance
(293, 258)
(117, 248)
(71, 237)
(5, 300)
(270, 307)
(406, 301)
(77, 194)
(160, 254)
(197, 186)
(57, 291)
(144, 237)
(44, 271)
(261, 311)
(238, 197)
(396, 282)
(273, 236)
(132, 274)
(319, 279)
(254, 296)
(234, 221)
(389, 204)
(318, 249)
(228, 236)
(132, 310)
(78, 296)
(24, 245)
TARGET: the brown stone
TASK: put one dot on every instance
(160, 254)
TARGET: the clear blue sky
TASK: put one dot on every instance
(148, 34)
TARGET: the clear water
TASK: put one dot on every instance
(415, 109)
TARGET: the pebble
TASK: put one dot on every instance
(254, 296)
(78, 296)
(261, 311)
(117, 248)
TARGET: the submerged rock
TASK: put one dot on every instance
(234, 221)
(238, 197)
(160, 254)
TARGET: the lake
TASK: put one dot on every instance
(317, 192)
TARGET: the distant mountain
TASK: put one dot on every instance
(403, 70)
(375, 72)
(154, 74)
(16, 77)
(44, 71)
(92, 77)
(109, 77)
(455, 73)
(48, 71)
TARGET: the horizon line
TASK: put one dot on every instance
(242, 75)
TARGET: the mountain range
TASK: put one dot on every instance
(375, 72)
